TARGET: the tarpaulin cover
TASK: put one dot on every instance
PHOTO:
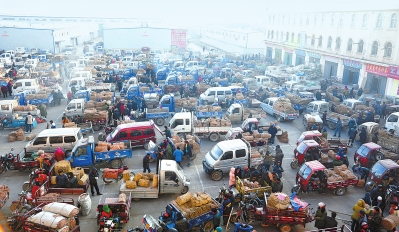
(297, 203)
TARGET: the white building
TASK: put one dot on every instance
(53, 37)
(360, 47)
(233, 40)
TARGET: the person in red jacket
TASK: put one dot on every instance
(106, 213)
(59, 154)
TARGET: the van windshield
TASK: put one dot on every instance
(216, 152)
(114, 133)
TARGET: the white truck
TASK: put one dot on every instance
(183, 123)
(11, 107)
(351, 103)
(392, 123)
(237, 113)
(171, 180)
(75, 107)
(267, 106)
(227, 154)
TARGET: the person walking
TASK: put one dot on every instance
(178, 154)
(320, 216)
(363, 136)
(272, 131)
(146, 163)
(338, 128)
(93, 177)
(360, 205)
(29, 122)
(352, 135)
(167, 132)
(188, 152)
(279, 155)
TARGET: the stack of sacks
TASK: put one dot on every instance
(284, 105)
(143, 180)
(194, 205)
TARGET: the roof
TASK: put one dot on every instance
(372, 146)
(231, 144)
(368, 124)
(319, 102)
(352, 100)
(236, 129)
(389, 164)
(134, 124)
(261, 77)
(58, 131)
(79, 100)
(168, 165)
(315, 165)
(312, 132)
(311, 143)
(182, 115)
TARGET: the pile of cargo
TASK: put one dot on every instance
(388, 141)
(283, 104)
(104, 95)
(335, 116)
(4, 194)
(25, 108)
(212, 122)
(42, 66)
(97, 105)
(202, 87)
(37, 96)
(283, 138)
(141, 180)
(256, 136)
(254, 111)
(364, 107)
(105, 146)
(17, 135)
(333, 99)
(65, 166)
(55, 215)
(209, 108)
(179, 142)
(195, 205)
(342, 109)
(339, 173)
(95, 115)
(295, 99)
(390, 222)
(191, 102)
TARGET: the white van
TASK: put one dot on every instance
(31, 63)
(78, 82)
(6, 56)
(87, 75)
(50, 139)
(12, 52)
(20, 50)
(263, 81)
(191, 64)
(26, 84)
(127, 59)
(141, 56)
(211, 94)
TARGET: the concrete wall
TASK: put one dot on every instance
(136, 38)
(11, 38)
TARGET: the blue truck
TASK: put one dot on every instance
(134, 90)
(82, 94)
(168, 101)
(157, 115)
(15, 122)
(208, 113)
(84, 154)
(162, 73)
(128, 73)
(25, 96)
(173, 79)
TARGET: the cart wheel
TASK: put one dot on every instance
(369, 186)
(214, 137)
(217, 175)
(340, 191)
(379, 156)
(146, 145)
(208, 226)
(26, 186)
(285, 228)
(294, 164)
(159, 121)
(96, 127)
(107, 181)
(101, 137)
(16, 206)
(117, 163)
(331, 126)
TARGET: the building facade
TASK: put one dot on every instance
(357, 47)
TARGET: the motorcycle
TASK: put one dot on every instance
(119, 177)
(7, 161)
(27, 186)
(24, 202)
(107, 130)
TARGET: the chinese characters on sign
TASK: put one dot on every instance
(352, 63)
(377, 70)
(178, 38)
(393, 72)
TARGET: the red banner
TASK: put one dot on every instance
(377, 70)
(178, 38)
(393, 72)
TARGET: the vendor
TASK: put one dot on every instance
(61, 179)
(105, 214)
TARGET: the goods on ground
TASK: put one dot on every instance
(283, 138)
(17, 135)
(66, 210)
(29, 137)
(85, 203)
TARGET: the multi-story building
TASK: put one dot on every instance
(358, 47)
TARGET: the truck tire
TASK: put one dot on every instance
(208, 226)
(96, 127)
(101, 137)
(296, 189)
(369, 186)
(185, 190)
(146, 145)
(294, 164)
(159, 121)
(214, 137)
(379, 156)
(217, 175)
(26, 186)
(116, 163)
(331, 125)
(285, 228)
(340, 191)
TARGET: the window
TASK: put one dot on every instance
(353, 21)
(379, 21)
(299, 39)
(341, 20)
(364, 21)
(312, 41)
(287, 36)
(148, 132)
(394, 20)
(40, 141)
(272, 35)
(79, 105)
(277, 34)
(388, 50)
(240, 153)
(360, 46)
(307, 20)
(349, 45)
(338, 44)
(122, 134)
(55, 139)
(393, 118)
(170, 175)
(69, 139)
(134, 133)
(322, 19)
(315, 20)
(81, 151)
(220, 93)
(374, 48)
(177, 122)
(227, 155)
(28, 84)
(292, 37)
(187, 122)
(320, 41)
(332, 21)
(211, 93)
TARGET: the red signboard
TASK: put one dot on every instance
(178, 38)
(377, 70)
(393, 72)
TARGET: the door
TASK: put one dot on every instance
(136, 138)
(227, 161)
(169, 184)
(391, 122)
(39, 143)
(81, 157)
(241, 158)
(220, 95)
(235, 114)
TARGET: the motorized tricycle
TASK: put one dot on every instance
(120, 213)
(309, 150)
(383, 172)
(311, 177)
(331, 143)
(111, 174)
(368, 154)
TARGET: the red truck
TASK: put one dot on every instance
(27, 160)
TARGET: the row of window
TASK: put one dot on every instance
(232, 35)
(392, 23)
(360, 44)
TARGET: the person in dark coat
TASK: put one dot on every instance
(116, 115)
(93, 177)
(383, 110)
(351, 93)
(109, 115)
(272, 131)
(146, 163)
(167, 132)
(320, 216)
(9, 87)
(216, 218)
(119, 83)
(318, 96)
(227, 204)
(187, 152)
(352, 135)
(331, 222)
(278, 169)
(238, 172)
(4, 90)
(360, 92)
(61, 179)
(279, 155)
(182, 224)
(324, 118)
(181, 91)
(160, 157)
